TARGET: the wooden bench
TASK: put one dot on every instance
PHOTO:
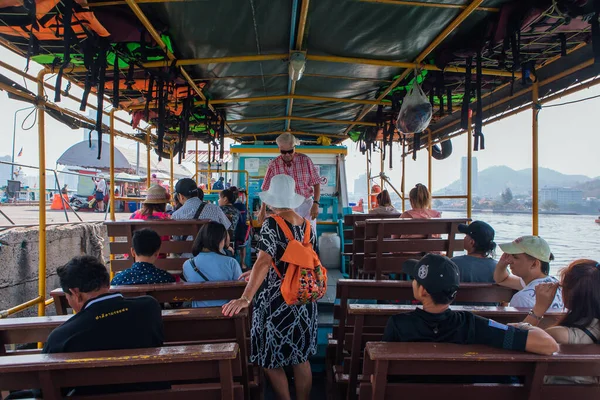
(383, 255)
(214, 365)
(362, 289)
(198, 325)
(167, 292)
(383, 361)
(369, 320)
(121, 234)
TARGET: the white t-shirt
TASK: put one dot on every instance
(526, 297)
(101, 186)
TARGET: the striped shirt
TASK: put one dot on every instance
(301, 169)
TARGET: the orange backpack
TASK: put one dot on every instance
(305, 280)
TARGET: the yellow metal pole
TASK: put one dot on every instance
(112, 167)
(148, 173)
(172, 169)
(368, 182)
(111, 197)
(403, 174)
(429, 164)
(469, 166)
(534, 151)
(381, 166)
(42, 200)
(197, 177)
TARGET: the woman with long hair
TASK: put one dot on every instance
(209, 264)
(580, 283)
(420, 203)
(385, 205)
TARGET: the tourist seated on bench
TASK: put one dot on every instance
(435, 284)
(146, 245)
(209, 264)
(529, 260)
(580, 283)
(478, 264)
(103, 320)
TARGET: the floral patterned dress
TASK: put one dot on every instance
(282, 335)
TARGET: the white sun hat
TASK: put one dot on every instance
(282, 193)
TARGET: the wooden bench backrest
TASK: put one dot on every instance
(383, 360)
(363, 289)
(168, 292)
(215, 363)
(366, 323)
(384, 255)
(350, 224)
(122, 233)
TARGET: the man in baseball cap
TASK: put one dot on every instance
(435, 284)
(477, 265)
(529, 260)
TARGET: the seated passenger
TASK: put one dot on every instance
(209, 264)
(420, 203)
(529, 259)
(155, 205)
(226, 201)
(435, 284)
(580, 283)
(146, 244)
(477, 265)
(193, 206)
(103, 320)
(385, 205)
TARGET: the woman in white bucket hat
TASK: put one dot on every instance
(282, 335)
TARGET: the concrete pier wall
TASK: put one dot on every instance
(19, 255)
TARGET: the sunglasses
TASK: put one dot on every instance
(287, 151)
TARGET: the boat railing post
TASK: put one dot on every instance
(196, 177)
(111, 198)
(368, 181)
(403, 181)
(381, 166)
(534, 151)
(148, 148)
(172, 174)
(111, 201)
(429, 163)
(469, 165)
(42, 194)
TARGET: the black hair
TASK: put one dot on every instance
(209, 237)
(200, 194)
(85, 273)
(229, 195)
(485, 249)
(545, 266)
(146, 242)
(443, 297)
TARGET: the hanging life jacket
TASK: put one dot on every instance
(305, 280)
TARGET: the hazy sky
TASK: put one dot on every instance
(569, 139)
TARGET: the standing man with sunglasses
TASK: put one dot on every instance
(301, 168)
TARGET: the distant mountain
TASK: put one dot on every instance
(493, 180)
